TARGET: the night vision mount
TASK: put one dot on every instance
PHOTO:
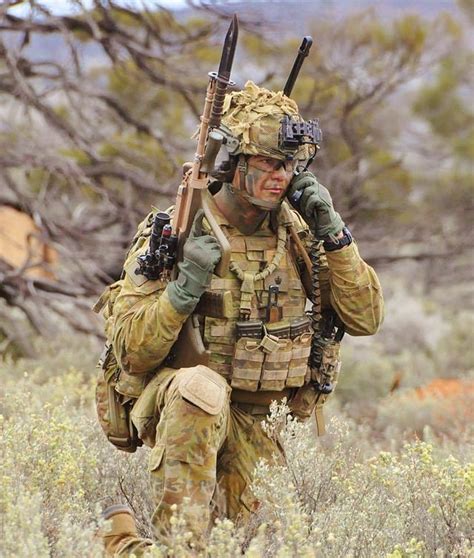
(294, 133)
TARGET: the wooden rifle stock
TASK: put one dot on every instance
(189, 350)
(193, 191)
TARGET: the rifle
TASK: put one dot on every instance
(192, 193)
(167, 240)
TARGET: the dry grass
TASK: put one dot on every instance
(371, 487)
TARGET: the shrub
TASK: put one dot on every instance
(332, 498)
(351, 493)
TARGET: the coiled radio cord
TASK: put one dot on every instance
(327, 328)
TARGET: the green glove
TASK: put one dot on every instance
(201, 254)
(314, 203)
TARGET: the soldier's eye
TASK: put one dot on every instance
(270, 163)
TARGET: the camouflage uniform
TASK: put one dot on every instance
(205, 446)
(203, 422)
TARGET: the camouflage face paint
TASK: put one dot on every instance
(253, 176)
(267, 185)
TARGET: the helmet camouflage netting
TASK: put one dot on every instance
(254, 116)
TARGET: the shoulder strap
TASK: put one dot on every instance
(297, 228)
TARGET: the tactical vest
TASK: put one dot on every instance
(252, 352)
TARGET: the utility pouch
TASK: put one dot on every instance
(247, 367)
(113, 408)
(301, 335)
(298, 369)
(328, 372)
(313, 396)
(276, 363)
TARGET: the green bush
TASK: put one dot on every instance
(333, 498)
(359, 491)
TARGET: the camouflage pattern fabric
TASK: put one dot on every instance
(253, 115)
(209, 455)
(208, 458)
(354, 291)
(145, 323)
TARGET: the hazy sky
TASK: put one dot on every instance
(64, 6)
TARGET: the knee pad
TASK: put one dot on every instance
(204, 388)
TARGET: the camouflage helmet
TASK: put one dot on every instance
(252, 122)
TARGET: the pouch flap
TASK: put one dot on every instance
(237, 244)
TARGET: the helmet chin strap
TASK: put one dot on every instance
(242, 170)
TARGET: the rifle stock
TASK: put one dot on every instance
(193, 190)
(189, 349)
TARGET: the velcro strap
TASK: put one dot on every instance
(269, 343)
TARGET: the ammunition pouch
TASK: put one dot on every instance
(271, 357)
(116, 393)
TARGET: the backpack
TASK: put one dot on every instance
(113, 410)
(116, 391)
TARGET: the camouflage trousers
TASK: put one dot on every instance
(204, 449)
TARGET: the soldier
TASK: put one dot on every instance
(203, 422)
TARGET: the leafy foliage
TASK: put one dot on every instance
(119, 106)
(365, 489)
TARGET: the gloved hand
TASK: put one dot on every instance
(314, 203)
(201, 254)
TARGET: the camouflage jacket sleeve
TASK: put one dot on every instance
(145, 324)
(354, 290)
(348, 284)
